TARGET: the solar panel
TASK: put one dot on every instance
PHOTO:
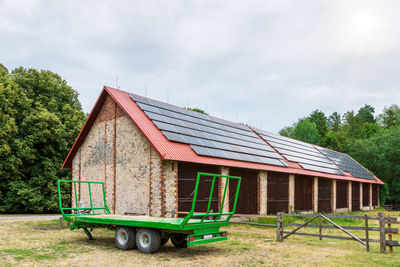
(178, 118)
(306, 155)
(208, 136)
(348, 164)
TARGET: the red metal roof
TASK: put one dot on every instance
(177, 151)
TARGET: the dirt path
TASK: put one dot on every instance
(30, 217)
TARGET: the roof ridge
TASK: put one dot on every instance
(195, 112)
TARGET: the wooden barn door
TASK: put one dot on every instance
(375, 189)
(247, 202)
(341, 194)
(355, 196)
(278, 192)
(187, 174)
(303, 192)
(324, 195)
(365, 194)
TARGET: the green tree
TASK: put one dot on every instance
(321, 122)
(380, 154)
(366, 114)
(390, 116)
(306, 131)
(352, 124)
(14, 106)
(44, 117)
(197, 110)
(287, 130)
(335, 122)
(336, 141)
(3, 69)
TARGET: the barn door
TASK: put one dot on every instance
(375, 189)
(303, 192)
(187, 174)
(278, 192)
(365, 194)
(355, 196)
(324, 195)
(341, 194)
(247, 202)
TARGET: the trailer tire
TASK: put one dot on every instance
(125, 238)
(148, 241)
(164, 241)
(179, 241)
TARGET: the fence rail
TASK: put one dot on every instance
(281, 234)
(392, 207)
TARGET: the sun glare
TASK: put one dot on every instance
(364, 26)
(364, 30)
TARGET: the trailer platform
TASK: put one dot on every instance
(148, 233)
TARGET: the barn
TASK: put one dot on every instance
(148, 153)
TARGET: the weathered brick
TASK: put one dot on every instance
(144, 183)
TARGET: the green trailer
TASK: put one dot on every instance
(148, 233)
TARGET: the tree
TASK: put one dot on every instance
(14, 106)
(366, 114)
(380, 154)
(3, 69)
(390, 116)
(352, 124)
(321, 122)
(336, 141)
(335, 121)
(306, 131)
(44, 117)
(197, 110)
(287, 130)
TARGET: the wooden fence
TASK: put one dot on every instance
(281, 234)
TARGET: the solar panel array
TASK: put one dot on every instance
(306, 155)
(206, 135)
(209, 136)
(347, 164)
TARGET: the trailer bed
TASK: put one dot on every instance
(148, 233)
(147, 221)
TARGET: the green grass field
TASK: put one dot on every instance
(41, 242)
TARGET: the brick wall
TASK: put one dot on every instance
(116, 153)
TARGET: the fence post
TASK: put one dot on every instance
(366, 233)
(382, 235)
(61, 222)
(390, 235)
(320, 226)
(278, 233)
(279, 227)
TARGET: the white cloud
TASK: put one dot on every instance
(261, 61)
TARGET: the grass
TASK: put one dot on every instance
(15, 215)
(340, 221)
(33, 243)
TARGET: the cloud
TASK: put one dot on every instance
(263, 62)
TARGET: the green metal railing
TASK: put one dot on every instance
(189, 218)
(77, 208)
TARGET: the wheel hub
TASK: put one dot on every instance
(144, 240)
(122, 237)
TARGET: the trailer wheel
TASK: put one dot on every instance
(148, 240)
(179, 241)
(164, 241)
(125, 237)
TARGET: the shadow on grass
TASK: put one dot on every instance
(168, 250)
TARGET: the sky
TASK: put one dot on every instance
(264, 63)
